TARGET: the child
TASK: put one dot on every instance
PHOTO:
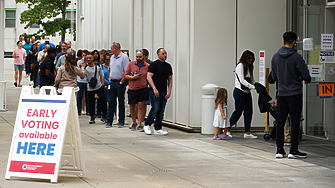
(220, 118)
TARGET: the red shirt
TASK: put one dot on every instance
(140, 82)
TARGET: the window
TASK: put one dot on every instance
(71, 15)
(35, 26)
(10, 18)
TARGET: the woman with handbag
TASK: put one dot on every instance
(244, 81)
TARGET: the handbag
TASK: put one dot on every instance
(93, 81)
(248, 79)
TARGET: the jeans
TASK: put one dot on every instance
(288, 105)
(116, 90)
(82, 88)
(101, 94)
(27, 62)
(37, 79)
(243, 103)
(157, 110)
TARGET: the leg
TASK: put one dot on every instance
(133, 112)
(120, 94)
(80, 97)
(160, 113)
(295, 108)
(217, 131)
(112, 94)
(20, 77)
(154, 108)
(287, 129)
(239, 97)
(101, 95)
(16, 75)
(91, 95)
(86, 100)
(247, 113)
(140, 109)
(282, 112)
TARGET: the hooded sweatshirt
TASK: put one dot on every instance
(289, 69)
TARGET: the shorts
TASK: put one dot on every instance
(147, 102)
(136, 96)
(19, 67)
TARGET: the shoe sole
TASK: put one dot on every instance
(291, 156)
(148, 133)
(280, 156)
(160, 134)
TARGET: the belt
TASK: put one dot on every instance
(115, 80)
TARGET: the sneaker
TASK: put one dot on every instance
(115, 122)
(108, 125)
(83, 112)
(216, 138)
(280, 153)
(133, 126)
(27, 75)
(296, 154)
(104, 119)
(229, 134)
(120, 125)
(15, 84)
(31, 83)
(160, 132)
(249, 136)
(139, 128)
(92, 121)
(287, 143)
(225, 137)
(147, 129)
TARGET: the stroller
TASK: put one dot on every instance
(265, 106)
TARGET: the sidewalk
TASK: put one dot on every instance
(118, 157)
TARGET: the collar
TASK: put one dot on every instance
(117, 57)
(143, 64)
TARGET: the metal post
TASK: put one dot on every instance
(2, 66)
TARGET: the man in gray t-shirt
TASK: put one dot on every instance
(97, 90)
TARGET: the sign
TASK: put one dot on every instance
(38, 142)
(262, 73)
(327, 41)
(325, 90)
(315, 70)
(326, 57)
(308, 44)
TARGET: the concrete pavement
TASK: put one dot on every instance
(118, 157)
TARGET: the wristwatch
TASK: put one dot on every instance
(121, 83)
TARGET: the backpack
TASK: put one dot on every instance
(93, 81)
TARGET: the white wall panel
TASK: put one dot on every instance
(148, 27)
(138, 30)
(213, 58)
(121, 18)
(158, 24)
(261, 31)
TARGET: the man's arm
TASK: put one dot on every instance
(168, 94)
(151, 83)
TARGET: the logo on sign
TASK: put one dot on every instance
(24, 167)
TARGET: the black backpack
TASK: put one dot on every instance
(93, 81)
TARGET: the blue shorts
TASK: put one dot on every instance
(19, 67)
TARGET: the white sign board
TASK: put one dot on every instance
(308, 44)
(42, 121)
(262, 70)
(315, 70)
(326, 57)
(327, 41)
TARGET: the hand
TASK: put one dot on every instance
(273, 104)
(136, 76)
(224, 117)
(168, 95)
(156, 93)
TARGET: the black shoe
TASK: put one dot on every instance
(79, 113)
(92, 121)
(15, 84)
(295, 154)
(87, 113)
(104, 119)
(280, 153)
(99, 116)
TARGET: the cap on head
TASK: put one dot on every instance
(47, 39)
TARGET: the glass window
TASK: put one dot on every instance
(10, 18)
(35, 26)
(71, 15)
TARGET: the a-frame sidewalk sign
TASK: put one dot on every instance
(46, 139)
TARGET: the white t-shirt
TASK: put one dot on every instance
(240, 73)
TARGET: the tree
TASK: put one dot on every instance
(45, 13)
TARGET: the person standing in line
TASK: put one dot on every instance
(19, 55)
(220, 116)
(244, 80)
(117, 67)
(62, 59)
(105, 66)
(27, 47)
(102, 53)
(96, 60)
(159, 78)
(47, 41)
(33, 40)
(98, 89)
(63, 52)
(47, 68)
(68, 44)
(136, 73)
(41, 56)
(33, 64)
(289, 69)
(82, 84)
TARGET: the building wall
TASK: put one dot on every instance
(12, 34)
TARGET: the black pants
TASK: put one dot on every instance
(293, 106)
(33, 74)
(101, 94)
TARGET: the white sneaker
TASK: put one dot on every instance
(249, 136)
(229, 134)
(147, 129)
(31, 83)
(160, 132)
(115, 122)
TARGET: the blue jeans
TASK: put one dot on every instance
(116, 90)
(243, 103)
(82, 87)
(157, 110)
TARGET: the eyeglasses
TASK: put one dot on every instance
(139, 51)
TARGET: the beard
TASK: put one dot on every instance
(140, 61)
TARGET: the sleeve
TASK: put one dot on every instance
(24, 54)
(273, 70)
(171, 71)
(57, 57)
(152, 68)
(40, 48)
(59, 62)
(58, 77)
(270, 79)
(240, 74)
(125, 63)
(127, 72)
(80, 72)
(302, 67)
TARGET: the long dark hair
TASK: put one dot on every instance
(70, 63)
(243, 59)
(98, 54)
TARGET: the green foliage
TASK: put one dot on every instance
(41, 12)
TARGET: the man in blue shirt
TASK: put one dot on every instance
(47, 41)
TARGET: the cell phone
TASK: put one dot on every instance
(140, 74)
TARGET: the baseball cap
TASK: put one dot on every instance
(47, 39)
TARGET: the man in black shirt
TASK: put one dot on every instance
(47, 68)
(159, 78)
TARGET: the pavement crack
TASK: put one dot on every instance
(7, 121)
